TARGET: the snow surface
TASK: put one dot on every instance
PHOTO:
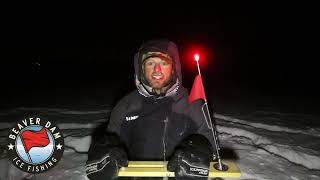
(264, 144)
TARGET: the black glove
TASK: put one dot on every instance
(191, 159)
(105, 157)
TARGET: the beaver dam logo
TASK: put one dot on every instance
(35, 145)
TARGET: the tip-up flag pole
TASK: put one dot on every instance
(198, 92)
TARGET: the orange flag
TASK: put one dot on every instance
(197, 91)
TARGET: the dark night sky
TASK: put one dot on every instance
(252, 47)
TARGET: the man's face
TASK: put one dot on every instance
(158, 72)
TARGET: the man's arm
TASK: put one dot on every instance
(107, 152)
(116, 117)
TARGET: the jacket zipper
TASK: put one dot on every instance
(164, 138)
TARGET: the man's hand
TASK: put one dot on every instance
(105, 157)
(192, 159)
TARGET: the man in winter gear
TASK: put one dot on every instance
(155, 119)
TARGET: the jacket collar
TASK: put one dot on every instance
(146, 90)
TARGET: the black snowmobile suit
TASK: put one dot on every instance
(151, 126)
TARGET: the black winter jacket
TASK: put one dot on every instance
(151, 128)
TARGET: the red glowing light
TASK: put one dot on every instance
(196, 57)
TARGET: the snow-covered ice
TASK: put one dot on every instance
(264, 144)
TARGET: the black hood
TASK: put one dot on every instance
(163, 46)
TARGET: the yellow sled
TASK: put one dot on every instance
(158, 169)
